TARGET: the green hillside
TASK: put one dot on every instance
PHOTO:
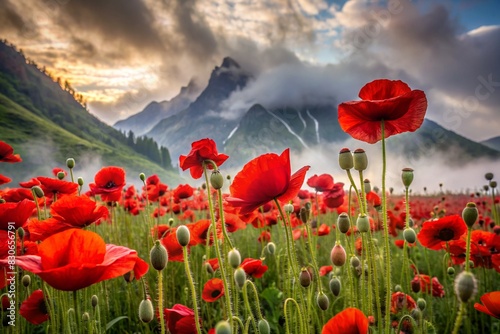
(46, 125)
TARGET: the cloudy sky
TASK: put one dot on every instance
(123, 54)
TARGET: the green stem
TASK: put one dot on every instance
(160, 299)
(467, 251)
(355, 189)
(193, 291)
(292, 258)
(458, 322)
(386, 236)
(287, 320)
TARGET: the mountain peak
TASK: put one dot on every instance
(229, 62)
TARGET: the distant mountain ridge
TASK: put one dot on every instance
(46, 125)
(493, 143)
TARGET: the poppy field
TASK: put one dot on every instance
(269, 250)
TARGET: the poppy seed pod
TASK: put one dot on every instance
(335, 286)
(20, 232)
(305, 278)
(488, 176)
(470, 214)
(465, 286)
(142, 176)
(38, 191)
(158, 256)
(410, 235)
(493, 184)
(288, 208)
(209, 268)
(146, 312)
(450, 271)
(216, 180)
(344, 222)
(363, 223)
(70, 162)
(355, 261)
(345, 159)
(80, 181)
(60, 175)
(368, 186)
(85, 316)
(304, 215)
(421, 303)
(263, 326)
(234, 258)
(407, 176)
(183, 235)
(360, 159)
(223, 327)
(240, 277)
(322, 301)
(338, 255)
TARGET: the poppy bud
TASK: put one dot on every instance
(146, 312)
(289, 208)
(338, 255)
(465, 286)
(240, 277)
(234, 258)
(322, 301)
(305, 278)
(355, 261)
(415, 286)
(80, 181)
(416, 314)
(421, 303)
(407, 176)
(304, 215)
(398, 288)
(60, 175)
(450, 271)
(170, 222)
(142, 176)
(26, 280)
(94, 300)
(263, 326)
(20, 232)
(488, 176)
(70, 162)
(345, 159)
(271, 248)
(493, 184)
(410, 235)
(209, 268)
(470, 214)
(38, 191)
(335, 286)
(158, 256)
(360, 159)
(363, 223)
(85, 316)
(344, 222)
(216, 180)
(183, 235)
(368, 185)
(228, 177)
(223, 327)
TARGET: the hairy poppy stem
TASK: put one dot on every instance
(289, 242)
(353, 184)
(248, 307)
(386, 236)
(287, 317)
(227, 293)
(193, 292)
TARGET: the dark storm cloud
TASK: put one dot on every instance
(123, 24)
(13, 22)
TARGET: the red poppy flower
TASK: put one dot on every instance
(373, 199)
(392, 101)
(333, 198)
(4, 179)
(264, 236)
(183, 191)
(400, 301)
(325, 270)
(323, 230)
(154, 188)
(75, 259)
(425, 284)
(30, 184)
(18, 213)
(213, 290)
(68, 212)
(263, 179)
(253, 267)
(58, 170)
(109, 182)
(24, 247)
(434, 232)
(214, 263)
(180, 320)
(51, 186)
(7, 153)
(321, 183)
(491, 304)
(34, 308)
(174, 248)
(349, 321)
(201, 150)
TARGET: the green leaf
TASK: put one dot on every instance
(114, 321)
